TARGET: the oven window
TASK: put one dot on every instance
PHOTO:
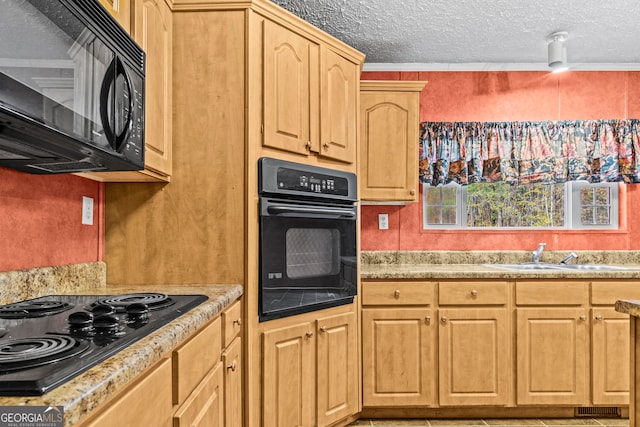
(312, 252)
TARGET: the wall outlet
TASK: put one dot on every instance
(383, 221)
(87, 210)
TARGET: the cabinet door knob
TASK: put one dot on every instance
(598, 317)
(323, 329)
(238, 321)
(474, 293)
(309, 334)
(232, 367)
(443, 320)
(427, 319)
(412, 192)
(308, 145)
(396, 294)
(325, 146)
(583, 318)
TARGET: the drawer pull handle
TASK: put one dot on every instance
(474, 293)
(598, 317)
(396, 294)
(309, 334)
(232, 367)
(583, 318)
(323, 329)
(238, 322)
(443, 320)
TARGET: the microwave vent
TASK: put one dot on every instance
(75, 166)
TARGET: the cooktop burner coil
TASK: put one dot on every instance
(26, 353)
(30, 309)
(154, 301)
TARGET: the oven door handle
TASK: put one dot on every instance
(324, 212)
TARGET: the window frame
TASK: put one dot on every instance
(572, 209)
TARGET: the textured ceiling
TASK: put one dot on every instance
(477, 34)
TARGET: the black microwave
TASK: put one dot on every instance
(71, 89)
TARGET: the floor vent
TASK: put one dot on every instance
(600, 411)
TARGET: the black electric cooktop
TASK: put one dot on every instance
(46, 341)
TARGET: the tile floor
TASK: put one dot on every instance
(542, 422)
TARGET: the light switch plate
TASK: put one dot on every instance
(87, 210)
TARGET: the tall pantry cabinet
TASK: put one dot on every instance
(249, 80)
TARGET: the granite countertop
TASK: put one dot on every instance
(475, 265)
(86, 391)
(630, 307)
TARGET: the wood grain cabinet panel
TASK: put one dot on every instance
(337, 371)
(205, 406)
(121, 10)
(398, 359)
(232, 364)
(552, 356)
(389, 137)
(610, 364)
(289, 375)
(474, 356)
(146, 403)
(290, 91)
(338, 106)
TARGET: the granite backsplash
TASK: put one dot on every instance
(495, 257)
(19, 285)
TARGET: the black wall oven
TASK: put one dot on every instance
(308, 232)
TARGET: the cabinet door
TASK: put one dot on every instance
(290, 101)
(338, 95)
(153, 31)
(398, 357)
(205, 406)
(232, 361)
(389, 135)
(337, 377)
(121, 10)
(289, 377)
(610, 375)
(552, 354)
(474, 356)
(147, 403)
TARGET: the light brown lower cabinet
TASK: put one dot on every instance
(474, 356)
(147, 402)
(198, 384)
(610, 357)
(397, 356)
(552, 349)
(307, 363)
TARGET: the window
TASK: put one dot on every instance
(572, 205)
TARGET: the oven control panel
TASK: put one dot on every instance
(288, 179)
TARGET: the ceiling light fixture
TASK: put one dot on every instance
(557, 51)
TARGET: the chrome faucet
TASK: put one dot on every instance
(535, 255)
(568, 258)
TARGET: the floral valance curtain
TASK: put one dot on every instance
(530, 152)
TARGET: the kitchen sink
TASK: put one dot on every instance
(547, 266)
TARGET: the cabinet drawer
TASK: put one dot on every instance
(473, 293)
(204, 406)
(398, 293)
(607, 293)
(552, 293)
(231, 322)
(192, 360)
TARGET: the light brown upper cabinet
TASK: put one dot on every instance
(389, 129)
(121, 10)
(151, 27)
(310, 96)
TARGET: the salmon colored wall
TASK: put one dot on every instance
(40, 220)
(507, 96)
